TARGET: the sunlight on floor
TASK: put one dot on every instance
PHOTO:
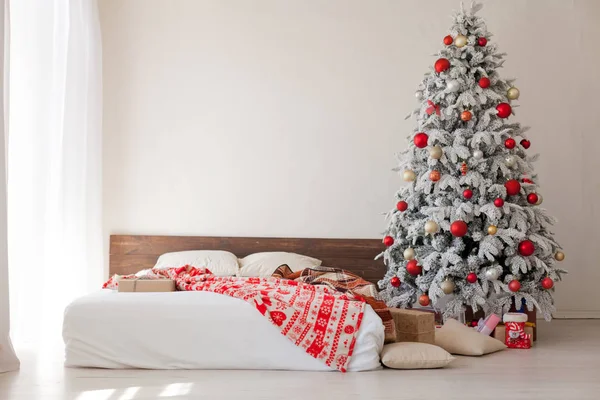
(103, 394)
(176, 389)
(129, 393)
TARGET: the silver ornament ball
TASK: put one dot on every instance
(419, 95)
(453, 86)
(409, 253)
(478, 154)
(492, 274)
(510, 161)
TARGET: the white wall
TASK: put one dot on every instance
(273, 118)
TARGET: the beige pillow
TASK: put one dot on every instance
(456, 338)
(413, 355)
(264, 264)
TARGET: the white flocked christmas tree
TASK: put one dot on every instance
(468, 228)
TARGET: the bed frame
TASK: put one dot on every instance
(130, 253)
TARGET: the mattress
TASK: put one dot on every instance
(192, 330)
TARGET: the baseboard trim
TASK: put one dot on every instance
(574, 314)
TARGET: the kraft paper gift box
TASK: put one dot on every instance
(414, 326)
(146, 285)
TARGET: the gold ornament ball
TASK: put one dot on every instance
(513, 93)
(540, 199)
(409, 253)
(460, 41)
(436, 152)
(431, 227)
(559, 256)
(448, 286)
(409, 175)
(435, 175)
(492, 229)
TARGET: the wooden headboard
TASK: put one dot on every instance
(131, 253)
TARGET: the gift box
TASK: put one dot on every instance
(146, 285)
(414, 326)
(500, 332)
(531, 317)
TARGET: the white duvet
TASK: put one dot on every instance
(192, 330)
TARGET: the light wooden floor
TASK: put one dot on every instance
(565, 364)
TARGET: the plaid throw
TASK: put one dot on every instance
(343, 281)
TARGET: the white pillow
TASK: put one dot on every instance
(264, 264)
(220, 263)
(412, 355)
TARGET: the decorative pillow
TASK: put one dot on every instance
(264, 264)
(456, 338)
(220, 263)
(413, 355)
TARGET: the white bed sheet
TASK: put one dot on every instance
(192, 330)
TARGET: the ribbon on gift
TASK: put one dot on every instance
(432, 108)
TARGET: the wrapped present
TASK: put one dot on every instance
(487, 325)
(146, 285)
(414, 325)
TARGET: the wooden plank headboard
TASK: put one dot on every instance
(131, 253)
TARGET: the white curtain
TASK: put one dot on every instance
(8, 359)
(54, 162)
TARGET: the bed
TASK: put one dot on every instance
(203, 330)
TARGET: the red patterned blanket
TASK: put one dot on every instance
(345, 282)
(321, 320)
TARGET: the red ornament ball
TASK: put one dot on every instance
(459, 228)
(472, 277)
(441, 65)
(526, 248)
(466, 116)
(420, 140)
(498, 202)
(467, 193)
(448, 40)
(424, 300)
(504, 110)
(514, 285)
(510, 143)
(402, 205)
(388, 241)
(532, 198)
(484, 82)
(395, 281)
(435, 175)
(547, 283)
(513, 187)
(413, 268)
(526, 180)
(525, 143)
(482, 41)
